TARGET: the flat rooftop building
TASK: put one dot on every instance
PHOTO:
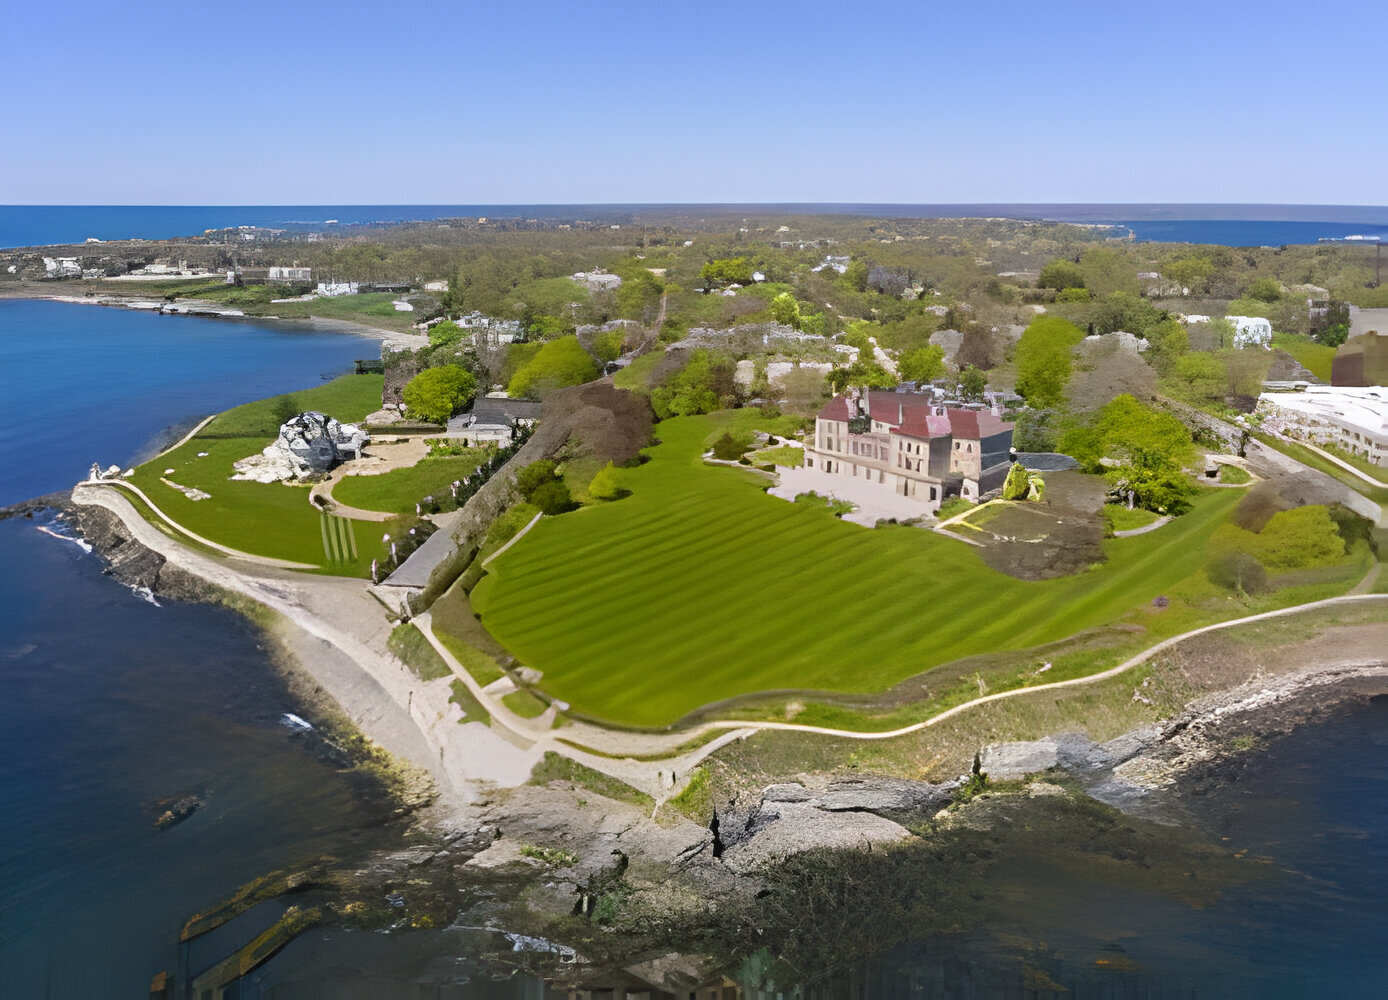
(1354, 419)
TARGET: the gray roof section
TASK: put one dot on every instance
(494, 410)
(1046, 461)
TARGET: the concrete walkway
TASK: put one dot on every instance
(1164, 519)
(1353, 470)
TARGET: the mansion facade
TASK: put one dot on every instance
(909, 447)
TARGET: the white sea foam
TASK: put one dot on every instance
(145, 594)
(81, 543)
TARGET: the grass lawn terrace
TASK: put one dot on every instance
(398, 490)
(265, 519)
(699, 587)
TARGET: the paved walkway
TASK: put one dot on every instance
(1352, 469)
(1144, 529)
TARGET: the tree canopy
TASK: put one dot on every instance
(923, 364)
(1061, 274)
(1044, 360)
(726, 271)
(436, 393)
(556, 364)
(445, 334)
(703, 385)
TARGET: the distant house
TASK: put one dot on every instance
(288, 275)
(904, 445)
(436, 286)
(489, 331)
(493, 420)
(598, 280)
(333, 289)
(62, 267)
(836, 264)
(1251, 331)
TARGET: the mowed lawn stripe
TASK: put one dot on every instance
(698, 587)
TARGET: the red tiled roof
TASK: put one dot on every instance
(921, 423)
(835, 409)
(895, 407)
(974, 425)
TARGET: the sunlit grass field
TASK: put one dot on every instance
(699, 587)
(263, 519)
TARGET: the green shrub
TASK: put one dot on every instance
(552, 497)
(435, 393)
(1237, 571)
(729, 449)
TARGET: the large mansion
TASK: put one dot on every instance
(909, 446)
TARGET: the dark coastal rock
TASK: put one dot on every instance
(176, 809)
(129, 561)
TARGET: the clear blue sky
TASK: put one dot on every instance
(309, 103)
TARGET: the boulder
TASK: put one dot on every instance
(1008, 761)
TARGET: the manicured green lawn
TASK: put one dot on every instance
(1120, 518)
(399, 490)
(699, 587)
(265, 519)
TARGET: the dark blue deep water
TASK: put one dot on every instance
(1230, 225)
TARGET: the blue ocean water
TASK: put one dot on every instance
(109, 703)
(99, 384)
(1230, 225)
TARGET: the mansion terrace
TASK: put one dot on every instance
(911, 451)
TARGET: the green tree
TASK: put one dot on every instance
(1264, 290)
(855, 276)
(556, 364)
(1061, 274)
(924, 364)
(1044, 360)
(701, 386)
(1168, 342)
(1192, 272)
(868, 374)
(726, 271)
(533, 476)
(435, 394)
(1200, 376)
(784, 309)
(552, 497)
(1107, 270)
(445, 334)
(545, 327)
(1125, 311)
(973, 382)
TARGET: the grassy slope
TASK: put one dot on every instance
(1316, 358)
(699, 587)
(263, 519)
(399, 490)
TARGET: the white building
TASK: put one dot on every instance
(436, 286)
(597, 280)
(62, 267)
(1353, 419)
(332, 289)
(290, 274)
(1251, 331)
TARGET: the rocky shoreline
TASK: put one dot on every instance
(607, 881)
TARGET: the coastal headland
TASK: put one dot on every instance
(644, 686)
